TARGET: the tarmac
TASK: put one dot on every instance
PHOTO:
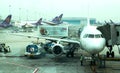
(48, 64)
(15, 62)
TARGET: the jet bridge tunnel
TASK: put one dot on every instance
(111, 32)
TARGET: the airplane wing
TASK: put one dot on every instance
(50, 38)
(63, 40)
(57, 46)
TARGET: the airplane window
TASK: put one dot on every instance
(97, 36)
(102, 36)
(85, 36)
(91, 36)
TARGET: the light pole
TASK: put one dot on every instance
(19, 14)
(9, 9)
(27, 14)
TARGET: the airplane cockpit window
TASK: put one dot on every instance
(102, 36)
(98, 36)
(93, 36)
(85, 36)
(88, 36)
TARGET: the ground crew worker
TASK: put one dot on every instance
(81, 59)
(1, 48)
(5, 49)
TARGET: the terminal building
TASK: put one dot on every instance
(78, 20)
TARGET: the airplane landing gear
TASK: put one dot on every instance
(110, 52)
(102, 61)
(93, 61)
(70, 53)
(72, 48)
(99, 60)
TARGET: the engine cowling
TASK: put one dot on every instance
(32, 48)
(57, 49)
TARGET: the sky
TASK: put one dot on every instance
(47, 9)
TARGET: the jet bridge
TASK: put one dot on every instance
(111, 33)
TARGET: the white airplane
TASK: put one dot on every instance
(91, 40)
(31, 24)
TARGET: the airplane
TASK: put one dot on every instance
(55, 21)
(6, 22)
(28, 24)
(87, 35)
(90, 40)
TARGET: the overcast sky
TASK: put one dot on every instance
(34, 9)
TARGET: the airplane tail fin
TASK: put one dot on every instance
(88, 21)
(60, 17)
(39, 21)
(57, 19)
(7, 20)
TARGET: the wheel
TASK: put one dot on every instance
(107, 54)
(112, 54)
(72, 54)
(67, 54)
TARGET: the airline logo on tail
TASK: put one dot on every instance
(6, 22)
(57, 19)
(39, 22)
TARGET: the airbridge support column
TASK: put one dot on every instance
(119, 49)
(102, 61)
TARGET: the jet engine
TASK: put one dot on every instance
(32, 48)
(32, 51)
(57, 49)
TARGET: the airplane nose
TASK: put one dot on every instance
(97, 46)
(94, 46)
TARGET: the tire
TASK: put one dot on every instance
(112, 54)
(67, 54)
(72, 54)
(107, 54)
